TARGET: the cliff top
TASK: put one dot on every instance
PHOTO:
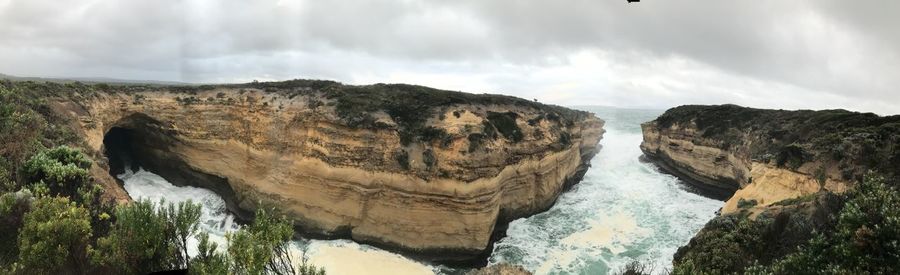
(792, 138)
(409, 106)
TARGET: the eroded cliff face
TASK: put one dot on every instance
(782, 173)
(471, 166)
(726, 170)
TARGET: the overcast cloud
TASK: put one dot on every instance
(654, 54)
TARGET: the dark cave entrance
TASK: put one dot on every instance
(132, 141)
(139, 141)
(117, 148)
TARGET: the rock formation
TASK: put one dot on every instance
(400, 166)
(789, 166)
(770, 155)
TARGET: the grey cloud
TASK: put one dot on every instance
(844, 50)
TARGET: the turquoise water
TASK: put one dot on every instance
(623, 210)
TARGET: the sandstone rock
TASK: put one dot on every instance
(339, 167)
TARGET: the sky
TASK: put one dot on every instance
(823, 54)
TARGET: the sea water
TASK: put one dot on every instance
(623, 210)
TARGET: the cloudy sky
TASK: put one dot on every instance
(654, 54)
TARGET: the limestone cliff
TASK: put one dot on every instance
(785, 165)
(766, 156)
(401, 166)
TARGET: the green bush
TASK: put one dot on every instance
(636, 268)
(147, 238)
(13, 207)
(54, 238)
(263, 246)
(866, 239)
(63, 170)
(506, 125)
(208, 261)
(402, 158)
(742, 203)
(728, 244)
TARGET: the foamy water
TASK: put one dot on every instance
(336, 256)
(623, 210)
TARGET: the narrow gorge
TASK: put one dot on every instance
(399, 166)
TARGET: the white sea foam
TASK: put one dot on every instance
(336, 256)
(623, 210)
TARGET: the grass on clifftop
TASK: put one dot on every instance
(857, 141)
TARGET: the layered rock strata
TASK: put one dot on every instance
(782, 173)
(765, 156)
(347, 161)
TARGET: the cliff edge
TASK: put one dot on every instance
(785, 170)
(401, 166)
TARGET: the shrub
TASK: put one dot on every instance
(728, 244)
(54, 237)
(146, 238)
(866, 239)
(742, 203)
(263, 246)
(506, 125)
(475, 141)
(402, 158)
(63, 170)
(13, 207)
(636, 268)
(428, 158)
(208, 261)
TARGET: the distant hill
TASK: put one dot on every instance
(92, 80)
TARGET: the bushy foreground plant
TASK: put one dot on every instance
(866, 239)
(55, 238)
(262, 247)
(146, 238)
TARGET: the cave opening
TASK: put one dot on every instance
(141, 142)
(118, 150)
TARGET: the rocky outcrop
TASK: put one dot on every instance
(765, 156)
(399, 166)
(780, 172)
(681, 150)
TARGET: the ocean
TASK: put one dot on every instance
(623, 210)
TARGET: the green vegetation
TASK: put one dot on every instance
(863, 238)
(410, 106)
(742, 203)
(636, 268)
(505, 123)
(54, 219)
(866, 239)
(856, 142)
(55, 237)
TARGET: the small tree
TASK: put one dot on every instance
(138, 241)
(63, 170)
(55, 237)
(208, 260)
(184, 220)
(263, 246)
